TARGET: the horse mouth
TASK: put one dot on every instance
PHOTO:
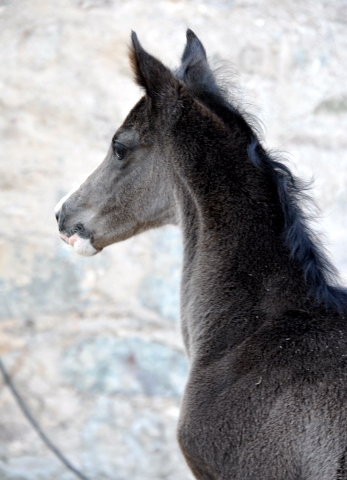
(67, 239)
(82, 246)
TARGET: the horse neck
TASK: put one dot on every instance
(237, 273)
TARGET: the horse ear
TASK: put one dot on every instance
(194, 51)
(157, 80)
(194, 70)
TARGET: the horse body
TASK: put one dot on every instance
(274, 407)
(264, 331)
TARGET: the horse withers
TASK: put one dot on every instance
(264, 327)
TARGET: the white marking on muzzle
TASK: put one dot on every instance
(82, 246)
(71, 192)
(60, 203)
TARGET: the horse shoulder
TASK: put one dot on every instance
(285, 384)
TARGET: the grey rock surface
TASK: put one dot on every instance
(93, 344)
(127, 366)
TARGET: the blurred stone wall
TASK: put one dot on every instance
(93, 344)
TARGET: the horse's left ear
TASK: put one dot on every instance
(194, 70)
(157, 80)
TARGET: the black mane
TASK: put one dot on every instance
(319, 273)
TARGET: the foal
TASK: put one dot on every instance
(265, 332)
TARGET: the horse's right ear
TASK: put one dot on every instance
(157, 80)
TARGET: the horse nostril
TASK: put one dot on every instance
(57, 214)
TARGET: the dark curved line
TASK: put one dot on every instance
(36, 426)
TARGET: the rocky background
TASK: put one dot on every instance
(93, 345)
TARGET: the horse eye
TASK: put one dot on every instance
(120, 151)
